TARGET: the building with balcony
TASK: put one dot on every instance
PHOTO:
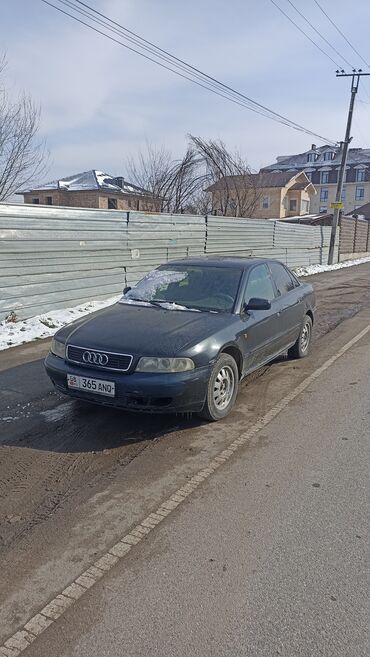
(321, 165)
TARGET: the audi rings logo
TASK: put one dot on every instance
(94, 358)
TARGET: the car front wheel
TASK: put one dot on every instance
(302, 347)
(222, 389)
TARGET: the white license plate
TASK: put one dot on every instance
(97, 386)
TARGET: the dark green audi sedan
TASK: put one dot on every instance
(182, 339)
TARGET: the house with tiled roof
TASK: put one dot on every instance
(93, 189)
(321, 165)
(264, 195)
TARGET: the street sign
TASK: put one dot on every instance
(337, 206)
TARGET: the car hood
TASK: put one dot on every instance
(143, 330)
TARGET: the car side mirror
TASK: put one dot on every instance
(126, 289)
(257, 304)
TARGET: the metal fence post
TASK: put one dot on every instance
(322, 245)
(354, 237)
(205, 232)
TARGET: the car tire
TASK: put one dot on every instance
(222, 389)
(302, 346)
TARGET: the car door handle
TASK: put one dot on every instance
(278, 314)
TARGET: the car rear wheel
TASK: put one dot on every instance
(302, 347)
(222, 389)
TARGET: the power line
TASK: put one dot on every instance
(146, 57)
(341, 33)
(204, 86)
(167, 57)
(138, 42)
(319, 33)
(304, 33)
(178, 63)
(189, 72)
(346, 40)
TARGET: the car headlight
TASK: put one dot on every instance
(58, 348)
(151, 364)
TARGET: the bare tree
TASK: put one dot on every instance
(150, 170)
(181, 184)
(234, 188)
(200, 203)
(22, 156)
(185, 182)
(173, 181)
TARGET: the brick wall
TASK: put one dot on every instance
(92, 199)
(55, 195)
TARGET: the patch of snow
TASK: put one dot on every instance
(134, 302)
(171, 305)
(57, 413)
(43, 326)
(67, 183)
(149, 287)
(100, 176)
(103, 180)
(310, 270)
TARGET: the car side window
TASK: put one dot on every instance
(259, 285)
(295, 280)
(282, 278)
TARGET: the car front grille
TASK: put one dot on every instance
(105, 360)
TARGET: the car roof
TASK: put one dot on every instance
(220, 261)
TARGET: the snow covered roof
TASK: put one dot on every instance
(299, 161)
(92, 180)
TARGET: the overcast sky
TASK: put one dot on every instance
(100, 102)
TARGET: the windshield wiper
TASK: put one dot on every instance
(152, 303)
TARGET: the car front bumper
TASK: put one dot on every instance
(179, 392)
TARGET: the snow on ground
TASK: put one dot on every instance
(319, 269)
(44, 326)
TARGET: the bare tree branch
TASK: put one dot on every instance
(181, 184)
(22, 156)
(236, 193)
(174, 181)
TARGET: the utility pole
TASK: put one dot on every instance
(355, 75)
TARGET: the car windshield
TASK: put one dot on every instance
(188, 287)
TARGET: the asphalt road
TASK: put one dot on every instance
(270, 556)
(72, 479)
